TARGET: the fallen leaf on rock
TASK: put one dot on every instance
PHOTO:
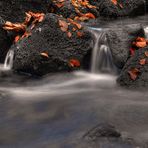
(69, 34)
(79, 26)
(63, 25)
(17, 38)
(85, 17)
(74, 63)
(89, 15)
(14, 26)
(140, 42)
(146, 53)
(121, 6)
(26, 35)
(27, 19)
(79, 34)
(74, 29)
(142, 61)
(44, 54)
(38, 17)
(114, 2)
(59, 5)
(134, 73)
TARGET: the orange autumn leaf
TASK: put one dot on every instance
(140, 42)
(17, 38)
(85, 17)
(63, 25)
(44, 54)
(38, 17)
(142, 61)
(82, 3)
(69, 34)
(79, 26)
(74, 63)
(26, 35)
(79, 34)
(121, 6)
(146, 53)
(134, 73)
(89, 15)
(74, 29)
(28, 18)
(14, 26)
(114, 2)
(77, 18)
(59, 5)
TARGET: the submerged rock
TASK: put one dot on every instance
(106, 136)
(102, 130)
(49, 49)
(120, 39)
(141, 80)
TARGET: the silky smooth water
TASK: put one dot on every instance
(57, 110)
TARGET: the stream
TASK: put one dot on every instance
(57, 110)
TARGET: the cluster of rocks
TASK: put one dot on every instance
(47, 37)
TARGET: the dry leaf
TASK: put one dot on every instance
(134, 73)
(79, 34)
(26, 35)
(69, 34)
(146, 53)
(63, 25)
(74, 63)
(44, 54)
(14, 26)
(140, 42)
(17, 38)
(114, 2)
(142, 61)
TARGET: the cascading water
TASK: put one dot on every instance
(146, 32)
(8, 64)
(102, 61)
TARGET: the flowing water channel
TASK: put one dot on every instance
(57, 110)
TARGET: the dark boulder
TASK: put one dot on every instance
(120, 39)
(14, 10)
(48, 38)
(106, 136)
(142, 76)
(124, 8)
(102, 130)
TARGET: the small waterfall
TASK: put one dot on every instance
(102, 61)
(8, 64)
(146, 32)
